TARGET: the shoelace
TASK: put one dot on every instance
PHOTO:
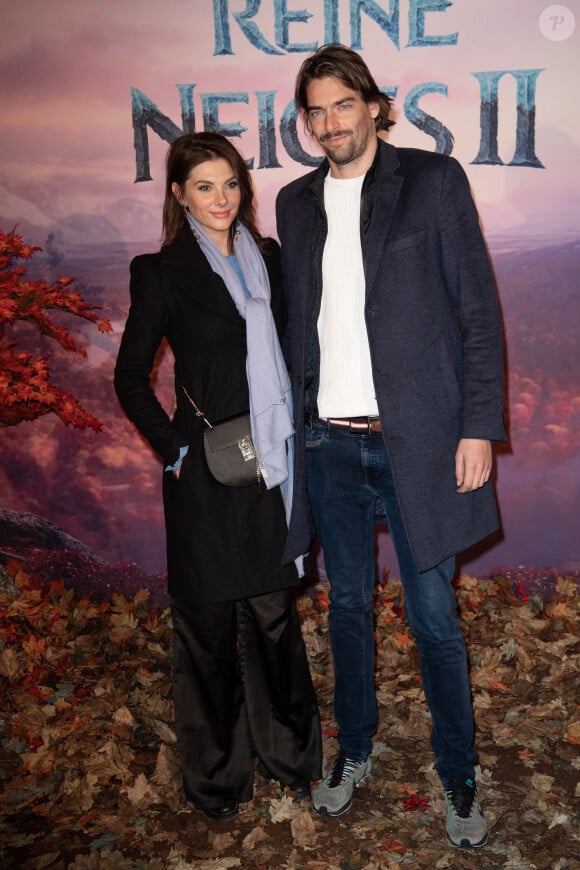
(343, 767)
(462, 796)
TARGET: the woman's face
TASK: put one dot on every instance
(212, 194)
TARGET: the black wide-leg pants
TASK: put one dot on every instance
(242, 687)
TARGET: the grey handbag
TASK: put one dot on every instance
(229, 450)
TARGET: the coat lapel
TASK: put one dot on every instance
(386, 189)
(190, 271)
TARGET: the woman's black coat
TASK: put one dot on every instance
(223, 543)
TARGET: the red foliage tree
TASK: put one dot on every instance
(26, 391)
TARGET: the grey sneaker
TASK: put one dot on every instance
(466, 825)
(333, 796)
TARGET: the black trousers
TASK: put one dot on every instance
(242, 687)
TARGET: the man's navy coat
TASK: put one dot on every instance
(434, 333)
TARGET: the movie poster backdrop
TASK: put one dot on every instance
(92, 93)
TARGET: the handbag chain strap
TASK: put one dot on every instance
(198, 412)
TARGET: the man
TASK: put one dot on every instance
(397, 369)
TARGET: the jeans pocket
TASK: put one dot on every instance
(314, 436)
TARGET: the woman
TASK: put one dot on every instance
(241, 683)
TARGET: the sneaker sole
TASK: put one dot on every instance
(467, 844)
(324, 811)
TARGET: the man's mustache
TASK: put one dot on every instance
(336, 135)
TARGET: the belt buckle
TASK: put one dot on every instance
(356, 426)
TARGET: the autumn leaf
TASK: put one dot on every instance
(141, 793)
(303, 831)
(407, 788)
(9, 663)
(542, 782)
(525, 753)
(390, 844)
(284, 809)
(414, 802)
(255, 836)
(123, 716)
(403, 639)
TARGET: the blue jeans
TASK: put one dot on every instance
(347, 473)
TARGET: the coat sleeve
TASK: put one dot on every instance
(471, 285)
(145, 329)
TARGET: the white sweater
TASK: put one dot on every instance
(346, 383)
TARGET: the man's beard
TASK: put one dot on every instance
(352, 149)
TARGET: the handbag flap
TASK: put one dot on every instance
(228, 434)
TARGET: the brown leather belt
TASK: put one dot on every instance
(355, 424)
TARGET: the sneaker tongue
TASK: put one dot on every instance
(339, 773)
(462, 797)
(337, 777)
(342, 767)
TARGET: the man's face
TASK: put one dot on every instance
(343, 124)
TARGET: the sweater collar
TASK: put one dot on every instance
(385, 163)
